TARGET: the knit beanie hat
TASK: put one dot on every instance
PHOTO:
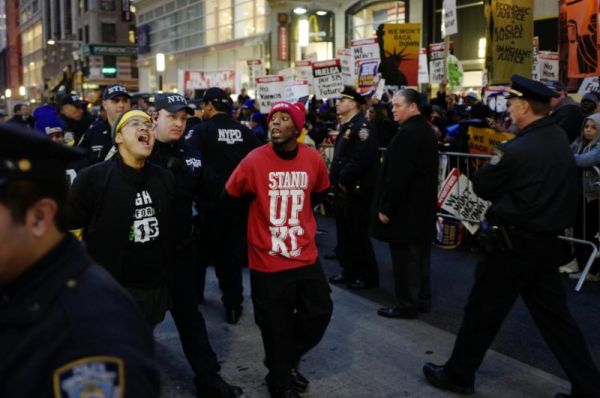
(46, 120)
(125, 117)
(296, 111)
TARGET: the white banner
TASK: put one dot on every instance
(346, 57)
(450, 24)
(269, 89)
(295, 91)
(423, 70)
(456, 196)
(328, 79)
(255, 69)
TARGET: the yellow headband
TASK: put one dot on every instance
(128, 115)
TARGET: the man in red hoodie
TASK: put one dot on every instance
(292, 306)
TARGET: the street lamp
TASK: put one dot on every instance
(160, 68)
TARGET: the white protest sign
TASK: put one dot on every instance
(423, 70)
(456, 196)
(255, 69)
(304, 72)
(287, 73)
(450, 24)
(269, 90)
(437, 72)
(346, 57)
(328, 80)
(588, 84)
(548, 65)
(295, 91)
(365, 49)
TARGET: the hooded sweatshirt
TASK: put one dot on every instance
(587, 155)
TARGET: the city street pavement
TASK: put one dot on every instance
(364, 355)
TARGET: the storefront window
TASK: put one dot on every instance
(363, 21)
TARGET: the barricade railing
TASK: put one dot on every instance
(467, 164)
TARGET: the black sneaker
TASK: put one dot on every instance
(299, 382)
(216, 387)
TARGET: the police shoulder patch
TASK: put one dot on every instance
(363, 134)
(90, 377)
(496, 156)
(347, 134)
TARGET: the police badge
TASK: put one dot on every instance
(496, 156)
(363, 134)
(91, 377)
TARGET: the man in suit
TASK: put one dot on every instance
(405, 202)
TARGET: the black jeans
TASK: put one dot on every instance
(412, 273)
(530, 270)
(354, 247)
(188, 319)
(292, 309)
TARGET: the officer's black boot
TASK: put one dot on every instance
(216, 387)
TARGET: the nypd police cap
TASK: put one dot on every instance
(524, 88)
(28, 155)
(172, 103)
(115, 90)
(350, 92)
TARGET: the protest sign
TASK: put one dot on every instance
(295, 91)
(423, 70)
(367, 76)
(578, 44)
(269, 89)
(365, 49)
(437, 71)
(400, 45)
(456, 196)
(548, 65)
(190, 80)
(450, 25)
(328, 80)
(509, 34)
(589, 84)
(255, 69)
(304, 72)
(346, 57)
(483, 140)
(287, 73)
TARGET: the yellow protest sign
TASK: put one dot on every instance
(482, 139)
(399, 51)
(509, 33)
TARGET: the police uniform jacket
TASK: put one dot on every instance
(223, 142)
(355, 156)
(97, 140)
(102, 202)
(531, 180)
(193, 179)
(67, 328)
(407, 185)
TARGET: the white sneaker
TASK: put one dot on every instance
(569, 268)
(589, 277)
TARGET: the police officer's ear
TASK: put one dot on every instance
(40, 217)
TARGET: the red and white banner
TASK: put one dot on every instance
(190, 80)
(269, 89)
(328, 80)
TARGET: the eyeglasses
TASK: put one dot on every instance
(138, 124)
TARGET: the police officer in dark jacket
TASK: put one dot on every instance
(223, 143)
(353, 173)
(66, 326)
(192, 179)
(531, 183)
(98, 139)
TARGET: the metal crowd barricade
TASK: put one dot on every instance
(468, 163)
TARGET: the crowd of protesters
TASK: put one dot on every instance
(167, 185)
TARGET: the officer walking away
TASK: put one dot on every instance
(223, 143)
(405, 206)
(98, 139)
(353, 174)
(284, 180)
(192, 178)
(66, 327)
(532, 187)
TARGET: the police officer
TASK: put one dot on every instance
(353, 174)
(531, 183)
(224, 143)
(98, 139)
(66, 327)
(192, 178)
